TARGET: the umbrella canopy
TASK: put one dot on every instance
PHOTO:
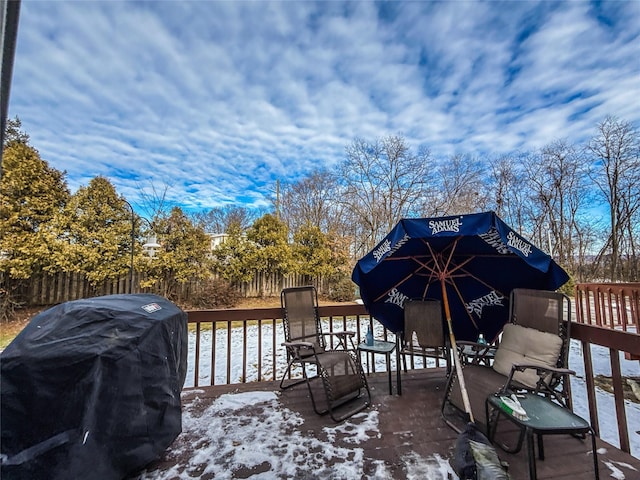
(470, 262)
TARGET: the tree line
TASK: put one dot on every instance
(578, 202)
(46, 229)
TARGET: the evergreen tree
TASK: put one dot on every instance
(184, 253)
(232, 258)
(99, 232)
(272, 254)
(32, 196)
(312, 252)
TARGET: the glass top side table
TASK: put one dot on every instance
(380, 347)
(545, 418)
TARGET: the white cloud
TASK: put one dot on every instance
(219, 99)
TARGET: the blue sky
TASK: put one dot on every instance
(217, 100)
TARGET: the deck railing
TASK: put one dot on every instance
(608, 314)
(610, 305)
(248, 341)
(242, 345)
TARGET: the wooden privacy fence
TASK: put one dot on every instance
(63, 287)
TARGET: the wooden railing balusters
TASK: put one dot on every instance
(605, 320)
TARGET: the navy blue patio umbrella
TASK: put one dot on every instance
(469, 262)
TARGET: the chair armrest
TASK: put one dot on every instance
(295, 350)
(297, 344)
(344, 333)
(342, 338)
(541, 386)
(540, 369)
(480, 352)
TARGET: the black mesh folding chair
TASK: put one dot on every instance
(424, 334)
(344, 388)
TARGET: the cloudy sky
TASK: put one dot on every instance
(218, 99)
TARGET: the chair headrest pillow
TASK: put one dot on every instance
(529, 346)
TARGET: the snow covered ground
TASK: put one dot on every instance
(276, 425)
(272, 444)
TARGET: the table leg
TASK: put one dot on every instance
(388, 355)
(531, 454)
(488, 418)
(595, 455)
(540, 447)
(492, 414)
(366, 356)
(398, 374)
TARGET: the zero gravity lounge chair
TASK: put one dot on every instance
(532, 356)
(339, 386)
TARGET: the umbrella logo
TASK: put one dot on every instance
(450, 225)
(396, 298)
(385, 247)
(491, 299)
(518, 243)
(492, 237)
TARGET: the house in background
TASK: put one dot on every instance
(217, 239)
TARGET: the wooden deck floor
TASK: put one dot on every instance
(411, 425)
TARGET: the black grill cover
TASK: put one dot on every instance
(91, 388)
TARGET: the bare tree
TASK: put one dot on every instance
(380, 183)
(311, 201)
(616, 174)
(221, 219)
(154, 202)
(508, 181)
(587, 234)
(556, 180)
(462, 187)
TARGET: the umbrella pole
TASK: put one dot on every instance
(456, 358)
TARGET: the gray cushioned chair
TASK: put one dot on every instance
(532, 355)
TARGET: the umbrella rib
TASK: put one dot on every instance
(445, 268)
(479, 280)
(464, 303)
(448, 277)
(453, 249)
(415, 272)
(435, 259)
(433, 273)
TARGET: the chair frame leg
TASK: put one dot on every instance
(445, 402)
(287, 372)
(330, 406)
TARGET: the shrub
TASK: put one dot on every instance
(8, 305)
(343, 290)
(569, 287)
(215, 293)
